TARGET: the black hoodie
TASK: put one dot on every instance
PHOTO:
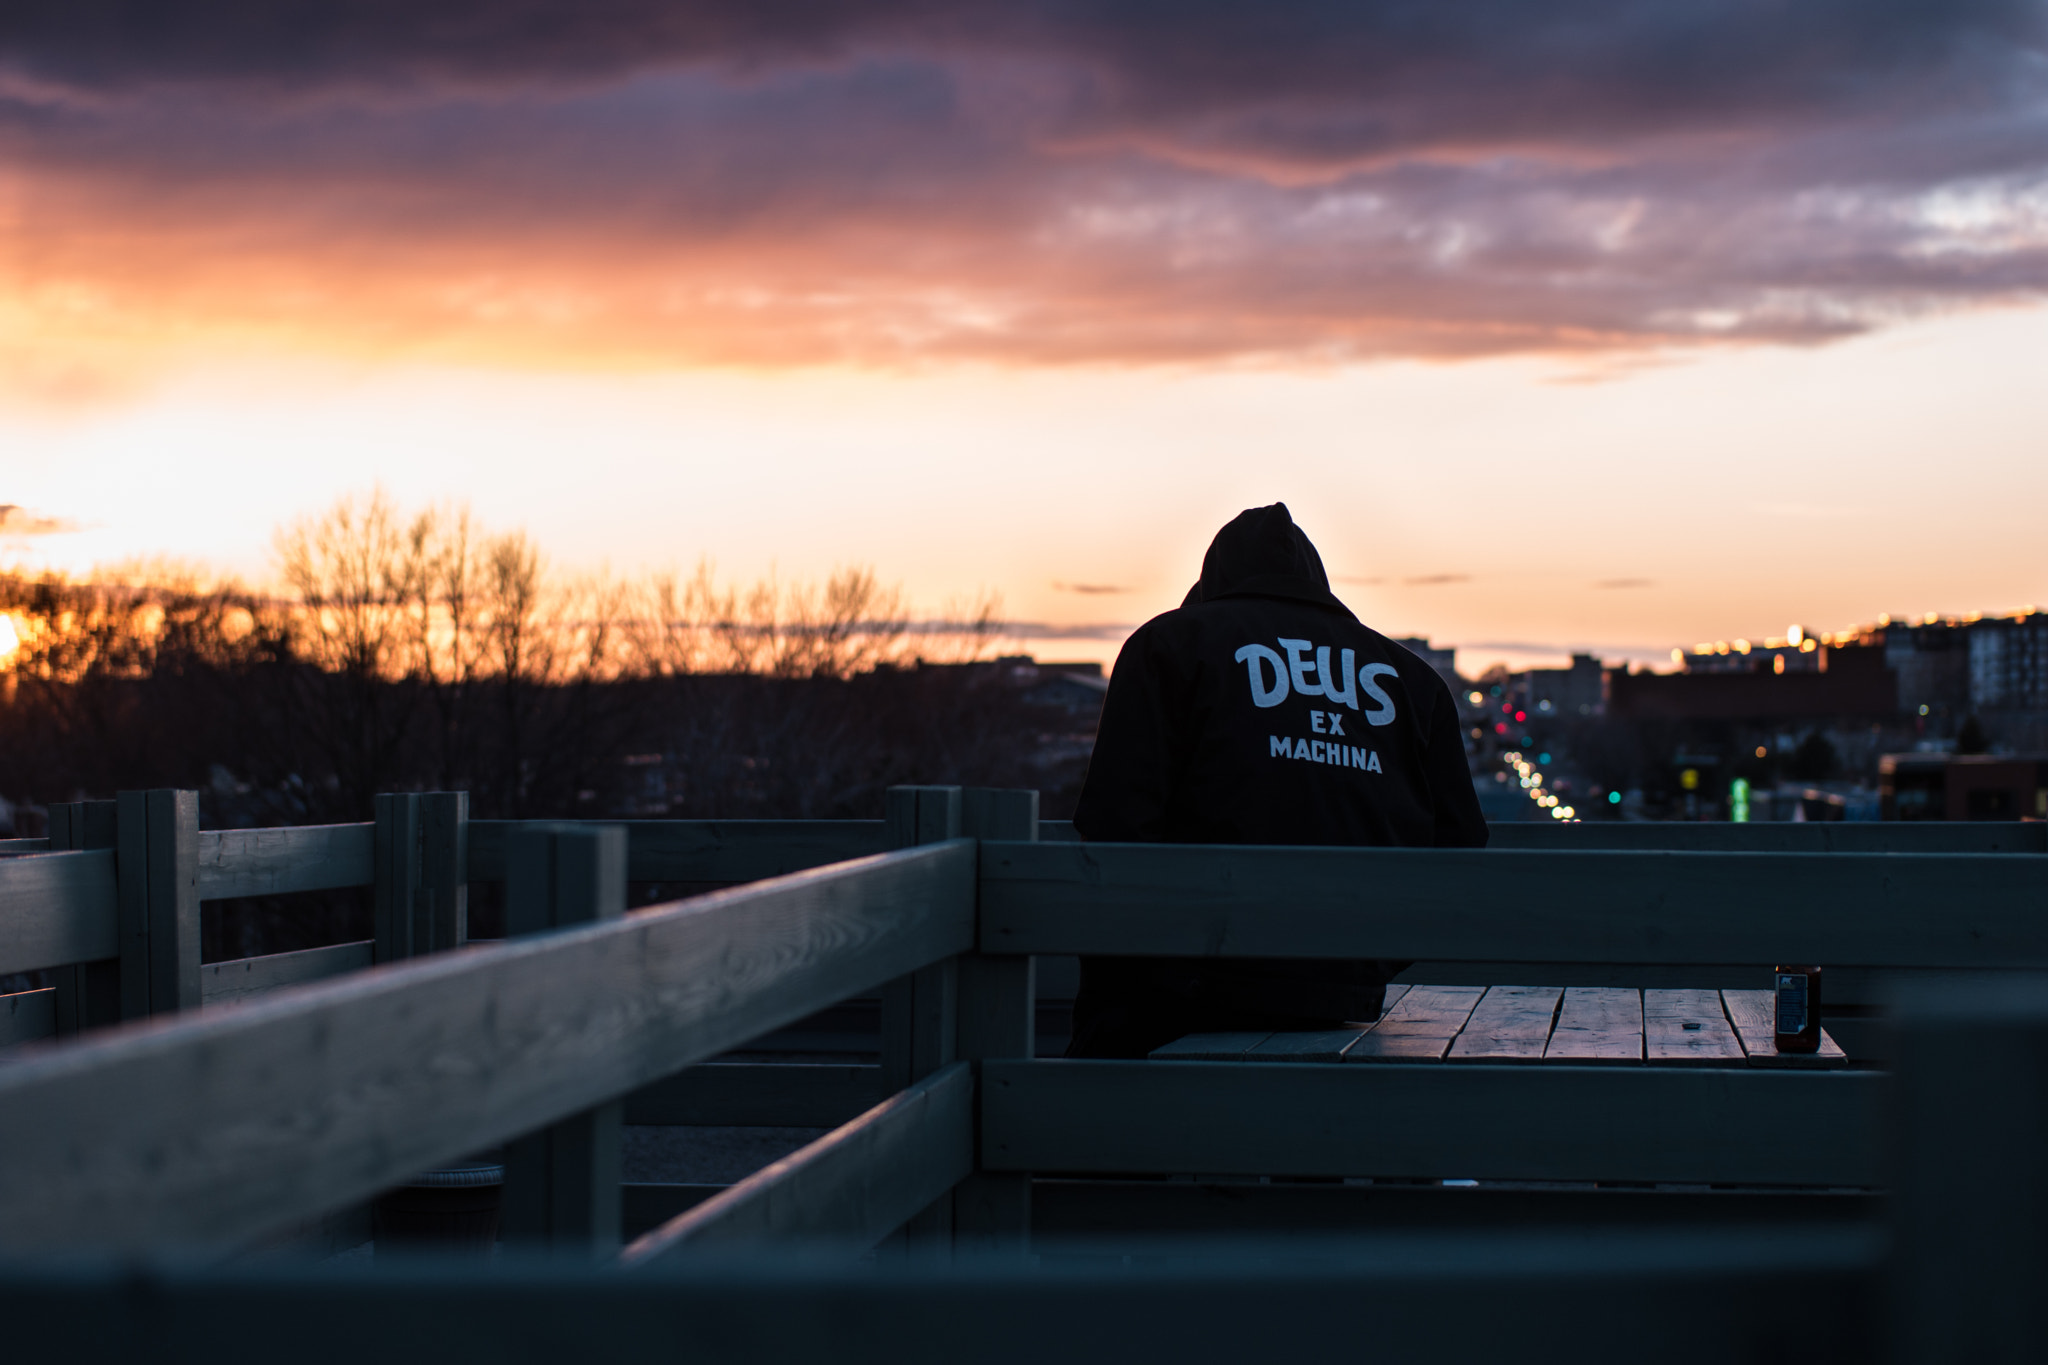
(1262, 712)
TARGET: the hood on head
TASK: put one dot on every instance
(1261, 552)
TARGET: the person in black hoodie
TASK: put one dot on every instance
(1262, 711)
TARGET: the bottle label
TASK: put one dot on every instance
(1791, 1002)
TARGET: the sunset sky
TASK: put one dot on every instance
(1597, 324)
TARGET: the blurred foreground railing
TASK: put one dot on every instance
(208, 1134)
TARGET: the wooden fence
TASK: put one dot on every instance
(222, 1128)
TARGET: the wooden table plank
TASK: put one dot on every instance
(1687, 1028)
(1397, 1047)
(1325, 1045)
(1598, 1024)
(1755, 1020)
(1430, 1011)
(1510, 1024)
(1210, 1047)
(1420, 1027)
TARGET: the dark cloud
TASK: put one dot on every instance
(1090, 589)
(1054, 630)
(1435, 580)
(1041, 181)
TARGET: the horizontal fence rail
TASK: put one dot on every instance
(57, 908)
(1784, 836)
(244, 978)
(1435, 1122)
(705, 850)
(227, 1126)
(1685, 1298)
(277, 862)
(855, 1184)
(1955, 911)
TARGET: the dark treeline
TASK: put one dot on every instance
(274, 740)
(421, 654)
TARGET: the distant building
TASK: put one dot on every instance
(2008, 665)
(1580, 690)
(1076, 688)
(1932, 661)
(1963, 787)
(1443, 661)
(1843, 680)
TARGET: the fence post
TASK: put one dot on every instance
(88, 993)
(396, 864)
(562, 1183)
(920, 1012)
(997, 1019)
(444, 872)
(1970, 1196)
(156, 869)
(422, 873)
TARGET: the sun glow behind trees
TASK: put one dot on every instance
(435, 597)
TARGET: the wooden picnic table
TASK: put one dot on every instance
(1556, 1025)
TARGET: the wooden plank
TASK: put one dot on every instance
(282, 862)
(1778, 836)
(27, 1016)
(1326, 1045)
(1429, 1012)
(856, 1184)
(1882, 910)
(247, 978)
(1598, 1025)
(1419, 1027)
(88, 993)
(921, 1011)
(395, 881)
(442, 906)
(1754, 1017)
(1224, 1047)
(56, 909)
(997, 1018)
(1687, 1028)
(562, 1180)
(1683, 1299)
(1398, 1047)
(1130, 1216)
(1510, 1024)
(1969, 1115)
(1728, 1125)
(1210, 1047)
(787, 1095)
(156, 849)
(706, 850)
(232, 1123)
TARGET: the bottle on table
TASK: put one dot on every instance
(1796, 995)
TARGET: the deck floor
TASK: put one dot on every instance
(1560, 1025)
